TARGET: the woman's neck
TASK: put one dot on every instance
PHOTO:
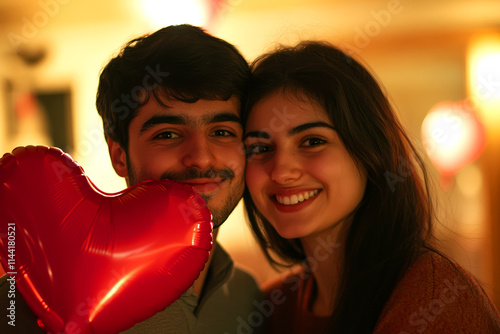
(324, 256)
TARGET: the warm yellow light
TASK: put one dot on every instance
(168, 12)
(483, 71)
(470, 181)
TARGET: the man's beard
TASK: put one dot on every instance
(219, 215)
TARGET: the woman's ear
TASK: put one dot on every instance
(118, 157)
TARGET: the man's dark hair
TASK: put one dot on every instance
(181, 63)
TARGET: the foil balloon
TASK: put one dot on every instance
(83, 259)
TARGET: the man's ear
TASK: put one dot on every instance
(118, 157)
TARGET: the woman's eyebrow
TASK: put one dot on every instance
(291, 132)
(257, 134)
(304, 127)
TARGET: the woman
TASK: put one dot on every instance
(335, 185)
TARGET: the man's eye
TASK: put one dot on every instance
(166, 135)
(222, 133)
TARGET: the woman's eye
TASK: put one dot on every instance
(166, 135)
(222, 133)
(313, 142)
(257, 149)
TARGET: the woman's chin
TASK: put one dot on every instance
(290, 233)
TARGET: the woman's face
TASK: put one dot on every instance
(299, 174)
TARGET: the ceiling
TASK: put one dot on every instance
(256, 22)
(427, 13)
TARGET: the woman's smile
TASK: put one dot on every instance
(295, 198)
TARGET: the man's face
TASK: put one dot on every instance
(196, 143)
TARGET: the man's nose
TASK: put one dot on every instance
(199, 153)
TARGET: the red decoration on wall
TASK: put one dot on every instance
(453, 136)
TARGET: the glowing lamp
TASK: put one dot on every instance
(483, 81)
(452, 136)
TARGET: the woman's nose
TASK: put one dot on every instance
(285, 168)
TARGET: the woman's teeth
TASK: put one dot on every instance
(296, 198)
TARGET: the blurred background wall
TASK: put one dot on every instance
(424, 52)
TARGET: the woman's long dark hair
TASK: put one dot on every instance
(393, 222)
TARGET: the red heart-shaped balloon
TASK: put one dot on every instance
(90, 262)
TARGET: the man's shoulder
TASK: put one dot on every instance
(4, 291)
(15, 315)
(243, 285)
(242, 275)
(223, 268)
(3, 282)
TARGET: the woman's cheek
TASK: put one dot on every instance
(256, 179)
(251, 177)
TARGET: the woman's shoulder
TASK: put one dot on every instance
(436, 293)
(432, 269)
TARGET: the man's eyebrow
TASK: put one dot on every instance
(257, 134)
(184, 120)
(163, 119)
(221, 117)
(306, 126)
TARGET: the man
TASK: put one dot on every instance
(170, 104)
